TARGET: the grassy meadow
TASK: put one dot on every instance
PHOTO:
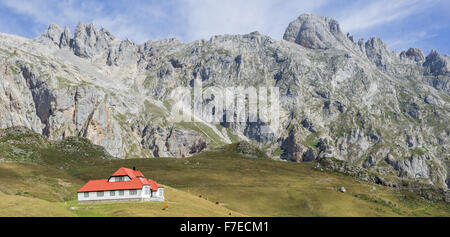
(213, 183)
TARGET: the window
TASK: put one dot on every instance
(160, 192)
(147, 190)
(133, 192)
(100, 194)
(112, 193)
(86, 194)
(121, 192)
(121, 179)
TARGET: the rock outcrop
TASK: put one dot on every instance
(315, 32)
(356, 102)
(378, 52)
(88, 41)
(435, 64)
(414, 54)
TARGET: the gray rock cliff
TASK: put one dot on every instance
(357, 102)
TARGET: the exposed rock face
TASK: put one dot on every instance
(52, 34)
(125, 53)
(378, 52)
(325, 150)
(426, 190)
(435, 64)
(414, 54)
(88, 41)
(293, 149)
(315, 32)
(308, 125)
(65, 38)
(55, 35)
(415, 167)
(309, 155)
(370, 162)
(173, 142)
(357, 102)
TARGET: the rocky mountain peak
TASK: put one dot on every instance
(53, 32)
(378, 52)
(88, 41)
(376, 44)
(55, 36)
(51, 35)
(315, 32)
(435, 64)
(65, 38)
(414, 54)
(333, 102)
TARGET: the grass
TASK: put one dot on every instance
(14, 70)
(417, 151)
(64, 82)
(270, 188)
(181, 204)
(153, 110)
(22, 145)
(209, 134)
(36, 190)
(8, 53)
(312, 140)
(13, 206)
(37, 181)
(242, 186)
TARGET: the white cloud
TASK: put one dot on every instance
(121, 22)
(45, 12)
(408, 40)
(190, 20)
(206, 18)
(361, 16)
(62, 13)
(187, 19)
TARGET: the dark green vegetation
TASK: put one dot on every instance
(20, 144)
(42, 177)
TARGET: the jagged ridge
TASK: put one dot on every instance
(353, 101)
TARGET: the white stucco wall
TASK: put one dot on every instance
(141, 194)
(107, 196)
(158, 195)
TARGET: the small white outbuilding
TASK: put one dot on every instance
(124, 185)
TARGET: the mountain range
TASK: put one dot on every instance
(341, 99)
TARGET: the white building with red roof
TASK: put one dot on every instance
(124, 185)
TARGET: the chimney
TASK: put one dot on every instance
(134, 168)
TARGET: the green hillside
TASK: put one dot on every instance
(214, 183)
(36, 190)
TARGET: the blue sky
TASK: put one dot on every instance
(401, 24)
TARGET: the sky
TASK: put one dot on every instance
(401, 24)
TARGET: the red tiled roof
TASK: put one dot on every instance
(104, 185)
(138, 173)
(153, 185)
(134, 183)
(122, 171)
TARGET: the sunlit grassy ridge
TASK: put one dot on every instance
(13, 206)
(212, 183)
(263, 187)
(35, 190)
(180, 204)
